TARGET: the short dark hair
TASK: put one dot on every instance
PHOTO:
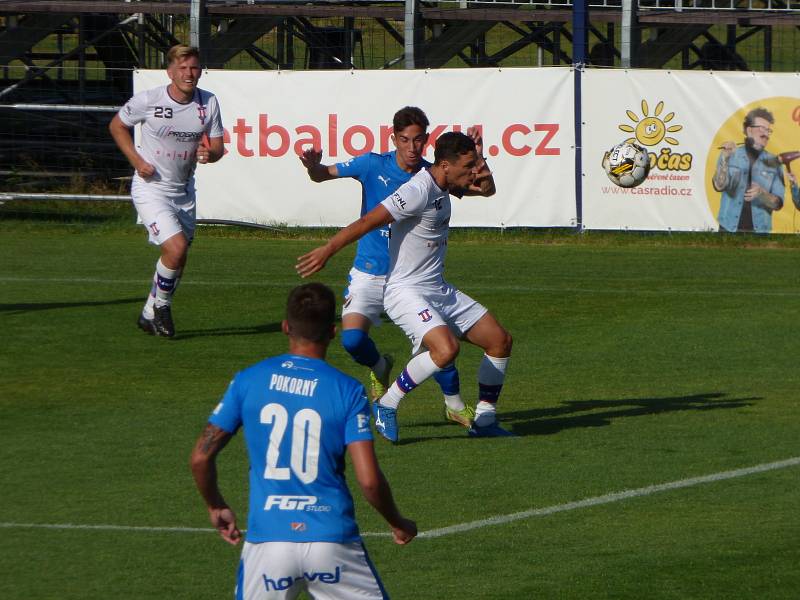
(311, 312)
(451, 145)
(760, 112)
(407, 116)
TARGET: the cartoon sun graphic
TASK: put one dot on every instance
(650, 130)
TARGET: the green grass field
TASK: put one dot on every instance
(638, 361)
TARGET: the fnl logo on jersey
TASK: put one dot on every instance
(289, 502)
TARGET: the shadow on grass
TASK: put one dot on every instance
(547, 421)
(574, 414)
(23, 307)
(186, 334)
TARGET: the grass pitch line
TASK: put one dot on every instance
(613, 497)
(499, 520)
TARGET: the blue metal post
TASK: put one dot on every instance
(580, 50)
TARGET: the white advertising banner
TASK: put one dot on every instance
(526, 116)
(683, 118)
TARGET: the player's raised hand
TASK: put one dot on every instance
(405, 533)
(314, 261)
(224, 521)
(477, 136)
(310, 158)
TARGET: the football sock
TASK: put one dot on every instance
(447, 379)
(363, 350)
(491, 375)
(165, 283)
(147, 311)
(417, 370)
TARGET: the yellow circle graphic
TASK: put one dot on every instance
(785, 139)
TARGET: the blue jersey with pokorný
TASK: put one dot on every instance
(298, 414)
(380, 176)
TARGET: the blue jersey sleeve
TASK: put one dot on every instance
(228, 413)
(357, 167)
(356, 427)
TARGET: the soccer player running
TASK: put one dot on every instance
(432, 313)
(380, 175)
(181, 126)
(299, 416)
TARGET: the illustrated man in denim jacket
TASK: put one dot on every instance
(750, 178)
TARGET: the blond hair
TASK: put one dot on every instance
(180, 52)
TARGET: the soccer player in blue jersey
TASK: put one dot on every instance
(299, 416)
(380, 175)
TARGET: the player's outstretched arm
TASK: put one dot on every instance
(484, 180)
(377, 491)
(204, 470)
(122, 137)
(317, 172)
(314, 261)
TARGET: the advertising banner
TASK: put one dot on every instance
(686, 120)
(526, 116)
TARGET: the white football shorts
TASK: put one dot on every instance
(418, 310)
(325, 570)
(364, 295)
(164, 212)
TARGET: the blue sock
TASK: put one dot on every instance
(447, 379)
(360, 346)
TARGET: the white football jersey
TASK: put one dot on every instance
(171, 131)
(418, 238)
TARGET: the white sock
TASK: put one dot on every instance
(491, 375)
(454, 402)
(418, 369)
(149, 304)
(166, 280)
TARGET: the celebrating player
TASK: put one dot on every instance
(299, 415)
(181, 126)
(380, 175)
(430, 311)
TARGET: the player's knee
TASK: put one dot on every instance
(501, 346)
(173, 252)
(445, 352)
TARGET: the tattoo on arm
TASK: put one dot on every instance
(213, 439)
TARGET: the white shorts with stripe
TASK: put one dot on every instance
(418, 310)
(364, 295)
(164, 213)
(325, 570)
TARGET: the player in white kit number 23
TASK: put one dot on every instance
(180, 127)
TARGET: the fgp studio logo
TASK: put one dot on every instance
(650, 130)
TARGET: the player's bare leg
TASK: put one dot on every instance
(496, 343)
